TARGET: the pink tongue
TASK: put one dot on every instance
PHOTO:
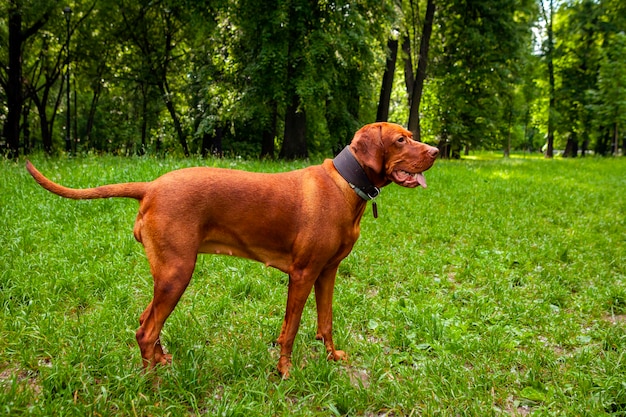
(421, 180)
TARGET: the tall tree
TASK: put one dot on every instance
(576, 65)
(304, 67)
(610, 97)
(41, 85)
(36, 15)
(259, 44)
(479, 45)
(300, 22)
(547, 12)
(154, 29)
(387, 85)
(422, 63)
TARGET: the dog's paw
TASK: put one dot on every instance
(166, 359)
(337, 355)
(284, 365)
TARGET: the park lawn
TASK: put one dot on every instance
(498, 290)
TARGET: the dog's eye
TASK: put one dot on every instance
(401, 139)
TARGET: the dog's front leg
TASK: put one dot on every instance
(324, 288)
(300, 285)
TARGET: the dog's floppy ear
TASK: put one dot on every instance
(368, 148)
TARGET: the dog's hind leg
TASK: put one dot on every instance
(171, 277)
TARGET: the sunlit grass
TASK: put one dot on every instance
(497, 155)
(499, 290)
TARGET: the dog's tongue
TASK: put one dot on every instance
(421, 180)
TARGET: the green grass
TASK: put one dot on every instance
(499, 290)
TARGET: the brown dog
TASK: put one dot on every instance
(303, 223)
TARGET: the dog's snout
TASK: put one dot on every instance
(433, 152)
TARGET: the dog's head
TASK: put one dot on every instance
(388, 153)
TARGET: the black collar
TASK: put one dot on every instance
(353, 173)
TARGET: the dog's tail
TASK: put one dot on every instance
(135, 190)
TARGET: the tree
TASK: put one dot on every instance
(387, 85)
(258, 45)
(610, 97)
(300, 23)
(414, 28)
(418, 83)
(305, 66)
(577, 58)
(41, 85)
(547, 13)
(24, 21)
(95, 54)
(154, 29)
(479, 49)
(291, 77)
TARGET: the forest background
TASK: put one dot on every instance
(293, 78)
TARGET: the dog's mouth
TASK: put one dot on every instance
(408, 179)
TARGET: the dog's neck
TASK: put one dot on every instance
(351, 171)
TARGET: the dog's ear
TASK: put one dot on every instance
(368, 147)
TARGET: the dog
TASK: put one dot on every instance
(302, 222)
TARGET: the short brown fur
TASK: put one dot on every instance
(303, 223)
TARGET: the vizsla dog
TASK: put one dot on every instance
(303, 223)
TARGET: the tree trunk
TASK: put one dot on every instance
(68, 128)
(571, 148)
(268, 136)
(294, 138)
(409, 78)
(507, 147)
(615, 140)
(170, 108)
(14, 88)
(46, 135)
(585, 147)
(603, 142)
(144, 118)
(75, 124)
(26, 128)
(418, 85)
(212, 144)
(177, 126)
(387, 86)
(14, 84)
(294, 135)
(91, 115)
(549, 57)
(46, 126)
(450, 150)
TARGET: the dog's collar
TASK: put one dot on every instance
(351, 171)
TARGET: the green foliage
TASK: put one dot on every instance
(171, 76)
(482, 53)
(609, 100)
(322, 53)
(578, 61)
(585, 33)
(497, 290)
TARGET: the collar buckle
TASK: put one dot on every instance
(364, 195)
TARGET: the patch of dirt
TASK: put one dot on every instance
(24, 378)
(358, 377)
(514, 408)
(615, 319)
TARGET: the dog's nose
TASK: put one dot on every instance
(433, 152)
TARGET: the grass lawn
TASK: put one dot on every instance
(499, 290)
